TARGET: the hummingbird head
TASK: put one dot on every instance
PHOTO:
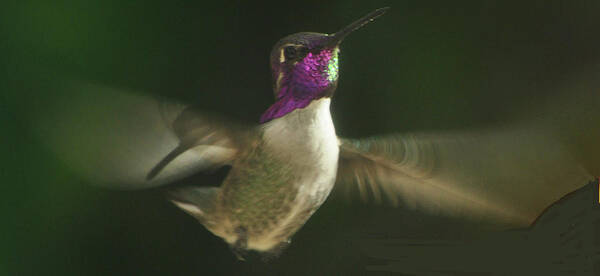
(305, 67)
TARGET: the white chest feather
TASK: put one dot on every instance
(306, 140)
(303, 141)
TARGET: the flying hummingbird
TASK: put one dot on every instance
(284, 167)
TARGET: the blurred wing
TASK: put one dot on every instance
(125, 140)
(507, 176)
(214, 140)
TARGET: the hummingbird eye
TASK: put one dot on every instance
(290, 52)
(294, 52)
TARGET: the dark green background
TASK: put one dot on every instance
(425, 65)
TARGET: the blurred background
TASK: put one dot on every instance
(423, 66)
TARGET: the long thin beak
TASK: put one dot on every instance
(336, 38)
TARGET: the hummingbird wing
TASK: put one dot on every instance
(508, 175)
(215, 139)
(122, 139)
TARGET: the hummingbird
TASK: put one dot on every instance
(284, 167)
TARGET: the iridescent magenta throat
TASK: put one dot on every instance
(312, 78)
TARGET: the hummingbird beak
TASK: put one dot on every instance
(335, 39)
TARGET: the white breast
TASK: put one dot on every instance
(305, 140)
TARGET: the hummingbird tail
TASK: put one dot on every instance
(196, 201)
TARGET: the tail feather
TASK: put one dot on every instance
(196, 201)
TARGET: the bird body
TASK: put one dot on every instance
(278, 180)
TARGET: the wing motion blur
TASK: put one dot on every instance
(124, 140)
(506, 174)
(215, 139)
